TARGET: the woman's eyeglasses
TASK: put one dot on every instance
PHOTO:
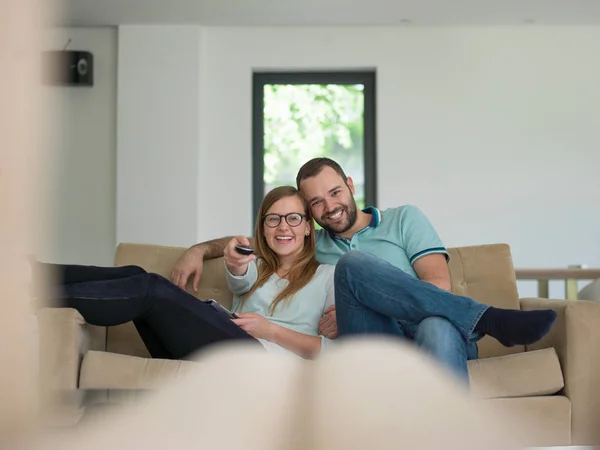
(292, 219)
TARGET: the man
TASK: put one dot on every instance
(391, 275)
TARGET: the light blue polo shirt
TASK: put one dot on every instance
(398, 235)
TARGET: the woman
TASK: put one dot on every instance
(279, 300)
(281, 297)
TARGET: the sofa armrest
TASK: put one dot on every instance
(576, 338)
(63, 342)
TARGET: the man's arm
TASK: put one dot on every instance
(216, 247)
(192, 262)
(424, 247)
(211, 249)
(433, 269)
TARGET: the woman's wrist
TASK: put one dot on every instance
(272, 334)
(237, 271)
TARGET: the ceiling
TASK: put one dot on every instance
(329, 12)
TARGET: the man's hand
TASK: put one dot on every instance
(191, 263)
(328, 324)
(255, 325)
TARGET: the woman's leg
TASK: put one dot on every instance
(180, 323)
(152, 341)
(63, 274)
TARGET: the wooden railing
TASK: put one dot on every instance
(570, 275)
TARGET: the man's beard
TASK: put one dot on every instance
(343, 226)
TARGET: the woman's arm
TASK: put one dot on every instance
(259, 327)
(302, 344)
(240, 284)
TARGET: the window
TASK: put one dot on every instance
(299, 116)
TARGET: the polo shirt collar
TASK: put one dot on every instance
(375, 216)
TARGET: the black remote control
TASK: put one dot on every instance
(244, 250)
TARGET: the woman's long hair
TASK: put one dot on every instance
(304, 267)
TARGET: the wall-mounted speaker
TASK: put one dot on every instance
(68, 68)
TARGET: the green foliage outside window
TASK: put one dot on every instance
(305, 121)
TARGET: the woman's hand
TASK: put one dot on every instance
(237, 263)
(258, 327)
(255, 325)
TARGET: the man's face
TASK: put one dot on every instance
(330, 200)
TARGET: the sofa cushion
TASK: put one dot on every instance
(526, 374)
(537, 421)
(104, 370)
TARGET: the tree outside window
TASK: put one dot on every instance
(295, 121)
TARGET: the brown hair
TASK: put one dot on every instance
(306, 265)
(314, 167)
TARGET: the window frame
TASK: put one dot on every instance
(260, 79)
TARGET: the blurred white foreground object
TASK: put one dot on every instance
(367, 393)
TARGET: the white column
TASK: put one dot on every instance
(158, 121)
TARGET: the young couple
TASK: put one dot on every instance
(389, 269)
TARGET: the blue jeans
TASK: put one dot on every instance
(439, 338)
(374, 297)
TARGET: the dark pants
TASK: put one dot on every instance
(172, 323)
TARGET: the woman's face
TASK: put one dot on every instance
(286, 238)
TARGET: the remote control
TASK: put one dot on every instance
(244, 250)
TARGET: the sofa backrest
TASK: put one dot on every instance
(484, 272)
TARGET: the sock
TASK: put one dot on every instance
(514, 327)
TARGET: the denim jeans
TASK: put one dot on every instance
(172, 323)
(440, 339)
(374, 297)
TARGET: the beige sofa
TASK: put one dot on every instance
(553, 386)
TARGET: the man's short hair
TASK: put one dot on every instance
(315, 166)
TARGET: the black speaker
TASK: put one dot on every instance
(68, 68)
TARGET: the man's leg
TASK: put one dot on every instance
(181, 322)
(440, 339)
(361, 278)
(360, 319)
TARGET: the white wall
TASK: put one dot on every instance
(494, 132)
(158, 134)
(80, 132)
